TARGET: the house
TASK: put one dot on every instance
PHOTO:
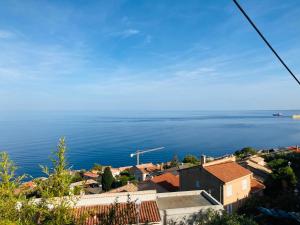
(145, 207)
(27, 187)
(116, 171)
(224, 179)
(89, 186)
(175, 170)
(257, 166)
(90, 175)
(143, 171)
(130, 187)
(166, 182)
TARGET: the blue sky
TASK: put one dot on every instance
(147, 55)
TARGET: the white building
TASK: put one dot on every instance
(147, 206)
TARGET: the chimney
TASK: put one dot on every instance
(203, 159)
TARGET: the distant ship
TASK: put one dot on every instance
(296, 116)
(277, 114)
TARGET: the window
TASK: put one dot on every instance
(244, 184)
(228, 190)
(229, 208)
(197, 184)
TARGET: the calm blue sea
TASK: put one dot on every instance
(109, 138)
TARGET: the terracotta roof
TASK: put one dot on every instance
(125, 213)
(29, 184)
(147, 167)
(168, 181)
(124, 168)
(256, 186)
(228, 171)
(90, 174)
(294, 149)
(126, 188)
(84, 182)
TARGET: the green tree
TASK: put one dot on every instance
(9, 194)
(107, 179)
(288, 177)
(97, 167)
(174, 162)
(244, 152)
(125, 173)
(190, 159)
(57, 184)
(59, 178)
(276, 164)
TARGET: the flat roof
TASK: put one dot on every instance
(183, 201)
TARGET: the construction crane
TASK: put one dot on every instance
(138, 152)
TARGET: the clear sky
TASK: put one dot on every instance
(147, 55)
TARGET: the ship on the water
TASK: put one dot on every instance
(277, 114)
(296, 116)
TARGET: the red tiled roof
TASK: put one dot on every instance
(294, 149)
(29, 184)
(256, 186)
(146, 168)
(126, 188)
(125, 213)
(90, 174)
(227, 171)
(168, 181)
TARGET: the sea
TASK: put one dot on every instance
(108, 138)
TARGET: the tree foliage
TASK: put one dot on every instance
(16, 209)
(97, 167)
(9, 183)
(244, 152)
(174, 162)
(107, 179)
(190, 159)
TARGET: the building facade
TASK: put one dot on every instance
(224, 179)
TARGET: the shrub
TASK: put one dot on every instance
(190, 159)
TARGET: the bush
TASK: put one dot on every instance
(275, 164)
(16, 209)
(175, 162)
(97, 167)
(247, 151)
(190, 159)
(76, 177)
(125, 173)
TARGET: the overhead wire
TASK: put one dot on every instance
(266, 41)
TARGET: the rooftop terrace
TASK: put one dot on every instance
(183, 201)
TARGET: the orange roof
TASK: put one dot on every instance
(227, 171)
(29, 184)
(168, 181)
(126, 188)
(256, 185)
(294, 149)
(125, 213)
(90, 174)
(146, 168)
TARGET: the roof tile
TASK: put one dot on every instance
(125, 213)
(227, 171)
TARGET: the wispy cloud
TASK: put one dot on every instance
(126, 33)
(5, 34)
